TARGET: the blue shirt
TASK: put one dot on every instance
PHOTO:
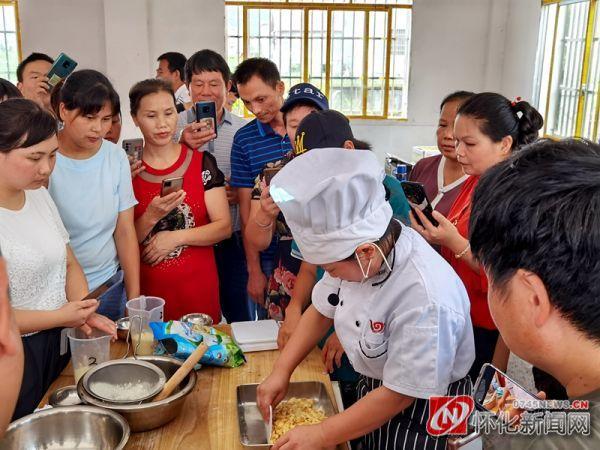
(255, 145)
(90, 194)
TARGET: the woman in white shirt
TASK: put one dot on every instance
(46, 281)
(400, 311)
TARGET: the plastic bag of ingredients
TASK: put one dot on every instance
(180, 339)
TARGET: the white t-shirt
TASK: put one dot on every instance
(413, 330)
(33, 242)
(182, 95)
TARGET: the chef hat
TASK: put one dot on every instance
(333, 200)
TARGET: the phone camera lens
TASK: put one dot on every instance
(206, 109)
(66, 64)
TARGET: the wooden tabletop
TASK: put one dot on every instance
(209, 417)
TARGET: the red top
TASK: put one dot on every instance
(187, 278)
(475, 282)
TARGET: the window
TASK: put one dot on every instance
(356, 51)
(567, 73)
(9, 40)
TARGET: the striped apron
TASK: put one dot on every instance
(407, 430)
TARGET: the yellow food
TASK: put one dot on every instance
(295, 412)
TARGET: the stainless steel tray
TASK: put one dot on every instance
(253, 430)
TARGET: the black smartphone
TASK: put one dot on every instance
(96, 293)
(134, 148)
(417, 198)
(206, 113)
(269, 173)
(170, 185)
(61, 69)
(496, 392)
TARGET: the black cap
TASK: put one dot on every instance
(322, 129)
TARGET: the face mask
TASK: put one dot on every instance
(365, 274)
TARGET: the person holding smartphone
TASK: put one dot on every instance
(176, 231)
(47, 284)
(33, 80)
(100, 222)
(487, 129)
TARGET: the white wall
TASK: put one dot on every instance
(456, 44)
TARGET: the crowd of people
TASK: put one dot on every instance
(289, 216)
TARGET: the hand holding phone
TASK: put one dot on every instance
(417, 198)
(170, 185)
(269, 173)
(61, 69)
(134, 149)
(206, 114)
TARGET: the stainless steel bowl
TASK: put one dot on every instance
(123, 328)
(197, 319)
(148, 416)
(65, 396)
(121, 374)
(71, 427)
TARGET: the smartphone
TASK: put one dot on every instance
(206, 113)
(170, 185)
(417, 198)
(96, 293)
(496, 392)
(134, 148)
(61, 69)
(269, 173)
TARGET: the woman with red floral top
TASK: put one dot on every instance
(176, 232)
(488, 127)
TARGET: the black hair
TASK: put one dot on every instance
(361, 145)
(500, 118)
(386, 242)
(24, 123)
(456, 96)
(175, 61)
(31, 58)
(234, 90)
(207, 61)
(142, 88)
(538, 211)
(263, 68)
(298, 104)
(8, 90)
(88, 91)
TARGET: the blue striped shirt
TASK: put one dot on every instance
(255, 145)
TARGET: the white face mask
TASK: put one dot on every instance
(365, 273)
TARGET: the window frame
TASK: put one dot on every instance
(15, 4)
(593, 5)
(306, 7)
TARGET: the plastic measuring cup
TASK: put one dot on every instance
(142, 311)
(88, 351)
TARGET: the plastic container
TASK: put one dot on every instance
(142, 311)
(88, 351)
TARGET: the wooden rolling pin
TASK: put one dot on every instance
(186, 367)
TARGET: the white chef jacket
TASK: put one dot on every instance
(413, 331)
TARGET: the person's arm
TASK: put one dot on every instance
(259, 230)
(76, 284)
(158, 208)
(128, 252)
(257, 282)
(305, 282)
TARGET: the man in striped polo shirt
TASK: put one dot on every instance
(261, 141)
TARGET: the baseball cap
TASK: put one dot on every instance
(322, 129)
(305, 92)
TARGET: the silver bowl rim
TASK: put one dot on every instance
(122, 321)
(130, 408)
(75, 409)
(52, 401)
(186, 318)
(162, 379)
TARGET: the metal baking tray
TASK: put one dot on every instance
(253, 430)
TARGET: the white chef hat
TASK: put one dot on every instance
(333, 200)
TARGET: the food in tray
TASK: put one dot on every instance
(295, 412)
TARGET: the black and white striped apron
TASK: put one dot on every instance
(407, 430)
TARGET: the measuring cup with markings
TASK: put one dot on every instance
(142, 311)
(88, 351)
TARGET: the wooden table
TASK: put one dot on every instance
(209, 417)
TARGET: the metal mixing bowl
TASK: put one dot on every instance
(123, 328)
(148, 416)
(65, 396)
(70, 427)
(197, 319)
(121, 373)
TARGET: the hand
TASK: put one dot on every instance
(303, 437)
(99, 322)
(10, 338)
(136, 167)
(42, 88)
(332, 351)
(292, 317)
(232, 193)
(76, 314)
(271, 391)
(159, 207)
(444, 234)
(160, 245)
(196, 134)
(257, 285)
(268, 207)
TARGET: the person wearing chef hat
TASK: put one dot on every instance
(400, 311)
